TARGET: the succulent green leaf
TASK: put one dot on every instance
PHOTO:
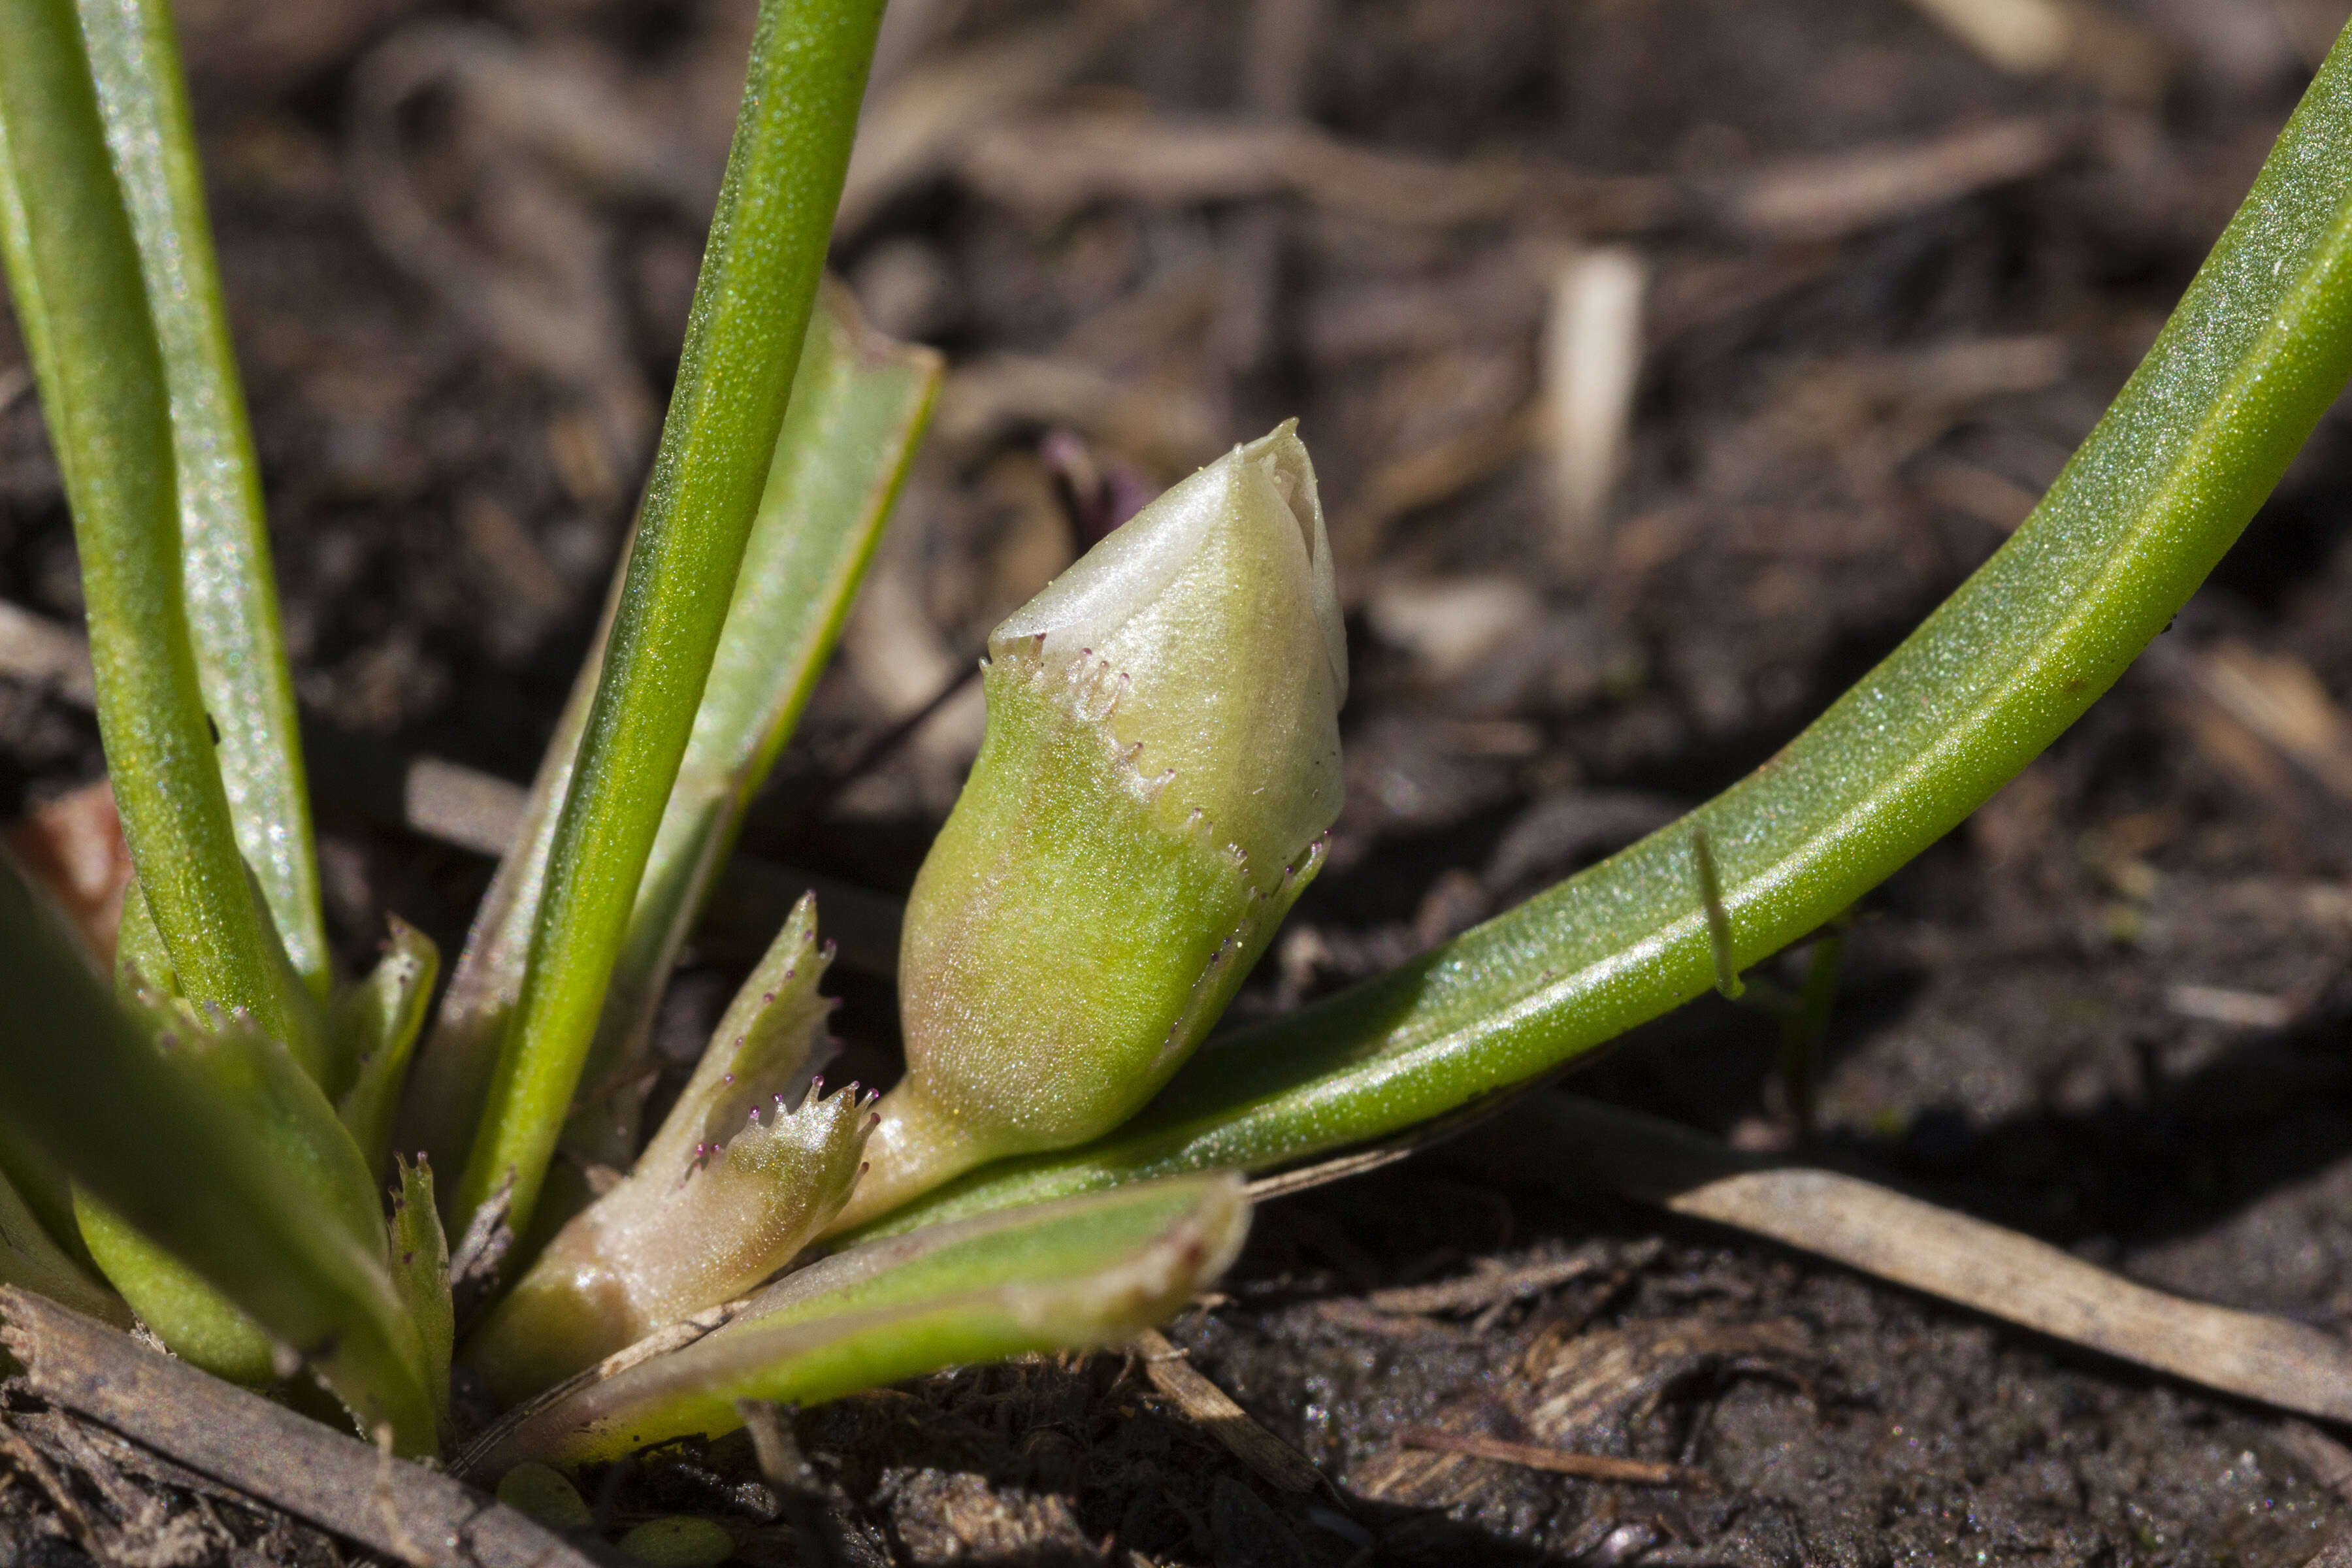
(1161, 760)
(205, 1174)
(858, 407)
(2258, 348)
(75, 273)
(758, 280)
(540, 1491)
(445, 1095)
(199, 1324)
(230, 1059)
(282, 1107)
(1057, 1277)
(420, 1273)
(230, 589)
(30, 1258)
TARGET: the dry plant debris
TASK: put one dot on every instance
(260, 1449)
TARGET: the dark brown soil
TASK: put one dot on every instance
(1831, 430)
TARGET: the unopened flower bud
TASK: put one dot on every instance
(739, 1178)
(1162, 763)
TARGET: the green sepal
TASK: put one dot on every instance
(420, 1273)
(743, 1173)
(1070, 942)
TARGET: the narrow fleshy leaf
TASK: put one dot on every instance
(76, 274)
(2258, 347)
(1057, 1277)
(294, 1131)
(372, 1029)
(199, 1171)
(196, 1322)
(445, 1094)
(752, 301)
(230, 587)
(232, 1061)
(858, 405)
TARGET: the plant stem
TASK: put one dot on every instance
(809, 60)
(2260, 346)
(74, 268)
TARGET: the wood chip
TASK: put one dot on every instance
(2278, 698)
(1558, 1461)
(462, 805)
(1275, 1461)
(38, 650)
(267, 1451)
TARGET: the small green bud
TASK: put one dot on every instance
(734, 1183)
(1160, 766)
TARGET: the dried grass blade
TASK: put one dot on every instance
(1923, 1246)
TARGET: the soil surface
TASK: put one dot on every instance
(2110, 1011)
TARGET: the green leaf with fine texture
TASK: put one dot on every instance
(373, 1028)
(230, 588)
(759, 273)
(858, 407)
(75, 271)
(420, 1272)
(2258, 347)
(1093, 1271)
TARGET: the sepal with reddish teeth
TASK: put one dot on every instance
(767, 1049)
(713, 1207)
